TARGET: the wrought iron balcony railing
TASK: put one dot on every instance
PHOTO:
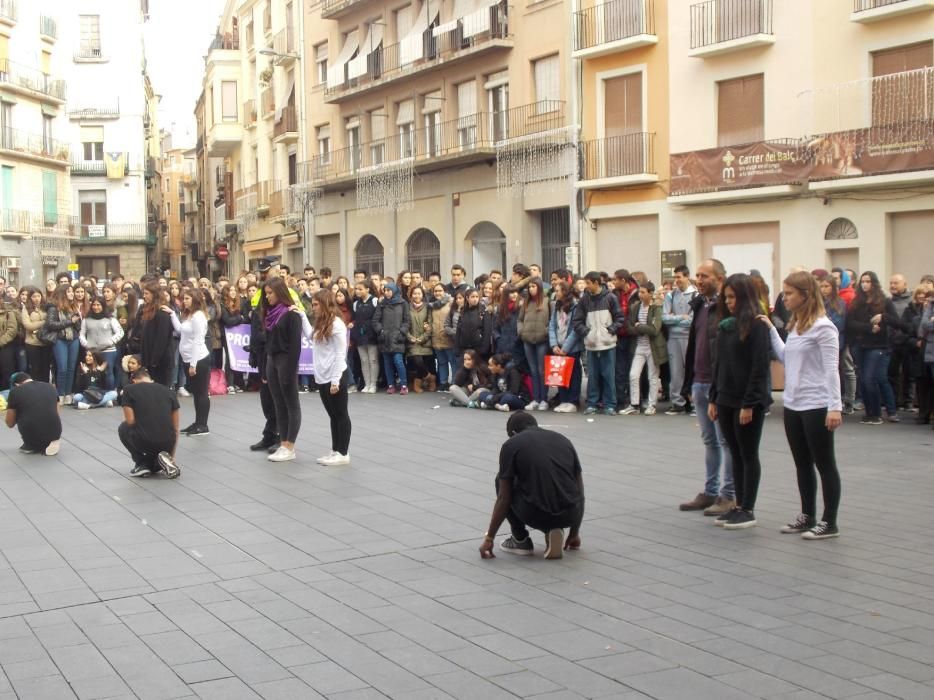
(33, 144)
(27, 78)
(103, 234)
(618, 156)
(611, 21)
(718, 21)
(36, 222)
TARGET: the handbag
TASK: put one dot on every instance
(46, 335)
(217, 385)
(558, 370)
(93, 395)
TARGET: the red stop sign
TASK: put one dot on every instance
(222, 253)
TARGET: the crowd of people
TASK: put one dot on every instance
(705, 343)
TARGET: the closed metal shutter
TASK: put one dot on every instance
(556, 236)
(331, 253)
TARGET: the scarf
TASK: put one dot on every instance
(98, 316)
(274, 315)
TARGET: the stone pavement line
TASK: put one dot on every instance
(243, 579)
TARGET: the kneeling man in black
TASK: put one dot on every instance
(539, 485)
(33, 408)
(149, 429)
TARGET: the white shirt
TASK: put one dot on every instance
(192, 332)
(811, 359)
(330, 354)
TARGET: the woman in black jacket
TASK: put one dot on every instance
(507, 385)
(363, 335)
(156, 333)
(474, 328)
(920, 373)
(391, 323)
(868, 324)
(232, 315)
(283, 347)
(739, 394)
(63, 326)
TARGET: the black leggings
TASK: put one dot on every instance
(198, 385)
(283, 387)
(743, 441)
(39, 361)
(336, 407)
(811, 443)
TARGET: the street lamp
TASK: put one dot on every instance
(277, 54)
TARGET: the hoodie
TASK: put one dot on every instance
(597, 318)
(391, 322)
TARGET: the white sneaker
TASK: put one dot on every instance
(532, 406)
(542, 405)
(52, 449)
(337, 460)
(231, 390)
(352, 389)
(182, 391)
(109, 404)
(83, 406)
(566, 408)
(628, 411)
(69, 400)
(325, 458)
(371, 389)
(283, 454)
(502, 407)
(650, 411)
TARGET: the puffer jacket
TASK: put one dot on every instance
(32, 321)
(713, 320)
(437, 317)
(391, 322)
(9, 324)
(363, 332)
(651, 328)
(419, 340)
(533, 322)
(597, 319)
(474, 328)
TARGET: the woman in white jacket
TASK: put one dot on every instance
(329, 341)
(196, 358)
(100, 332)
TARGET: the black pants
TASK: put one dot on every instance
(162, 374)
(522, 515)
(282, 379)
(812, 444)
(417, 367)
(743, 441)
(198, 385)
(336, 407)
(271, 428)
(924, 389)
(39, 362)
(7, 364)
(142, 451)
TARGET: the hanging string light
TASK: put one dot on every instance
(548, 157)
(388, 187)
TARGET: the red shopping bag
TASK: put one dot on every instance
(558, 369)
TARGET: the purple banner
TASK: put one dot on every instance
(238, 338)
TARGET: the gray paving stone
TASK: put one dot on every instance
(286, 689)
(199, 671)
(224, 689)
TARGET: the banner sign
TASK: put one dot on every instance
(843, 154)
(238, 339)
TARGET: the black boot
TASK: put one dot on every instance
(265, 443)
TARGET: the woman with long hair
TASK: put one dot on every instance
(64, 322)
(363, 333)
(868, 321)
(471, 381)
(101, 332)
(108, 296)
(192, 330)
(157, 346)
(564, 342)
(835, 308)
(506, 323)
(93, 389)
(283, 348)
(342, 298)
(329, 340)
(474, 326)
(812, 409)
(418, 353)
(739, 395)
(533, 332)
(38, 352)
(442, 344)
(404, 283)
(232, 315)
(82, 299)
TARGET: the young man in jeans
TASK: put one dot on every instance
(596, 319)
(714, 500)
(677, 316)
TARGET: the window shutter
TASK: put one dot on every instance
(92, 134)
(467, 99)
(740, 110)
(547, 79)
(405, 112)
(377, 126)
(622, 105)
(894, 92)
(50, 197)
(903, 58)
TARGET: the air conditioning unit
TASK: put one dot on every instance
(11, 263)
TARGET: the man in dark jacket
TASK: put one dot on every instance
(268, 268)
(698, 376)
(596, 319)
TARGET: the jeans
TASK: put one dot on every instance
(812, 444)
(393, 363)
(514, 402)
(677, 349)
(601, 368)
(716, 451)
(873, 365)
(848, 373)
(572, 393)
(143, 453)
(744, 449)
(535, 356)
(623, 362)
(199, 385)
(369, 363)
(643, 357)
(110, 395)
(459, 395)
(66, 360)
(445, 359)
(110, 357)
(280, 377)
(522, 514)
(336, 407)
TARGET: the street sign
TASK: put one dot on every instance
(73, 267)
(221, 252)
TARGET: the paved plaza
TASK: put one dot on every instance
(247, 579)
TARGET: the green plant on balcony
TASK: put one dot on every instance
(265, 77)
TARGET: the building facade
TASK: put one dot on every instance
(179, 209)
(35, 202)
(114, 139)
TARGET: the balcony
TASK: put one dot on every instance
(48, 28)
(228, 41)
(223, 138)
(278, 202)
(31, 82)
(618, 161)
(724, 26)
(96, 111)
(249, 114)
(286, 127)
(8, 12)
(614, 26)
(95, 168)
(89, 55)
(267, 102)
(866, 11)
(110, 234)
(33, 146)
(334, 9)
(253, 201)
(402, 60)
(284, 46)
(35, 223)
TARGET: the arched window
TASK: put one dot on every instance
(423, 252)
(368, 255)
(840, 230)
(489, 248)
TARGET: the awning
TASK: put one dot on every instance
(434, 101)
(405, 113)
(478, 21)
(412, 45)
(284, 97)
(372, 40)
(49, 110)
(336, 71)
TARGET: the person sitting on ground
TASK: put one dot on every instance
(539, 485)
(149, 429)
(470, 381)
(33, 408)
(507, 392)
(92, 380)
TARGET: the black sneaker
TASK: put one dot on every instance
(723, 519)
(800, 524)
(27, 450)
(740, 521)
(514, 546)
(188, 429)
(198, 430)
(674, 410)
(264, 444)
(167, 462)
(871, 421)
(140, 471)
(821, 531)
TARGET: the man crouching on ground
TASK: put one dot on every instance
(539, 485)
(149, 430)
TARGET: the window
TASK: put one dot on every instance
(181, 212)
(546, 72)
(892, 101)
(248, 35)
(321, 64)
(555, 237)
(6, 124)
(622, 105)
(433, 102)
(47, 134)
(324, 143)
(168, 209)
(102, 268)
(423, 252)
(405, 122)
(378, 137)
(267, 17)
(90, 46)
(353, 142)
(49, 198)
(467, 113)
(497, 88)
(181, 189)
(740, 110)
(229, 100)
(93, 213)
(368, 255)
(92, 142)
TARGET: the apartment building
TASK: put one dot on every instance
(35, 205)
(249, 136)
(439, 131)
(114, 138)
(180, 210)
(802, 133)
(622, 47)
